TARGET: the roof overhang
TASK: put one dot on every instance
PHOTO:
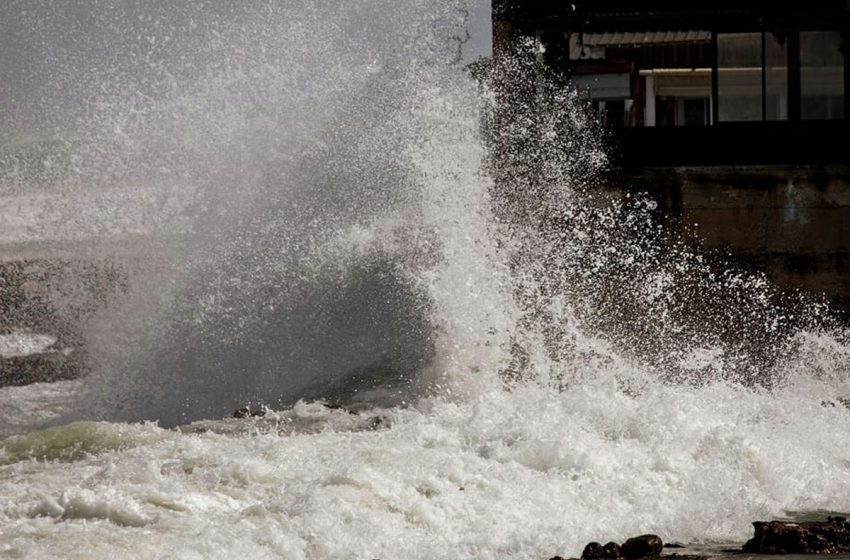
(643, 39)
(664, 15)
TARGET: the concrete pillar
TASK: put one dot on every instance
(649, 108)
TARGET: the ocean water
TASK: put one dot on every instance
(503, 474)
(467, 350)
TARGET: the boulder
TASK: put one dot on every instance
(641, 547)
(806, 537)
(611, 550)
(592, 551)
(637, 547)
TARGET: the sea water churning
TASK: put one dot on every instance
(317, 205)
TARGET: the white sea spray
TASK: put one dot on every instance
(527, 364)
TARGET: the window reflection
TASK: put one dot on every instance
(739, 76)
(821, 75)
(776, 77)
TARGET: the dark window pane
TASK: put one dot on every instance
(739, 76)
(665, 111)
(694, 112)
(682, 96)
(776, 77)
(821, 75)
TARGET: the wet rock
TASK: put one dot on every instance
(39, 368)
(807, 537)
(638, 547)
(642, 547)
(377, 423)
(249, 412)
(592, 551)
(611, 550)
(845, 402)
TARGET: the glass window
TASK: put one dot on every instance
(776, 76)
(682, 96)
(694, 112)
(739, 76)
(821, 75)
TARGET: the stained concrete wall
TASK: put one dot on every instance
(791, 222)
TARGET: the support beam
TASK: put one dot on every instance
(715, 85)
(649, 118)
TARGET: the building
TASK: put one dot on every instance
(732, 113)
(767, 79)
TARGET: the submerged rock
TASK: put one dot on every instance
(45, 367)
(249, 412)
(806, 537)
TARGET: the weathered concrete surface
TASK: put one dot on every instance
(793, 223)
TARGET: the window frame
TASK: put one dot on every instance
(794, 78)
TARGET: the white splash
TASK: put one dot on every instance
(18, 344)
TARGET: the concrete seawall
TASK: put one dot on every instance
(793, 223)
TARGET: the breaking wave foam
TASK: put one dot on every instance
(525, 365)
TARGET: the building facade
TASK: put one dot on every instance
(768, 79)
(732, 113)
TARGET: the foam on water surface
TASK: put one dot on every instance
(18, 344)
(519, 474)
(526, 365)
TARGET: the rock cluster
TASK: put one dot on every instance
(806, 537)
(595, 551)
(644, 546)
(771, 537)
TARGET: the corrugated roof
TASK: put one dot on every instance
(636, 39)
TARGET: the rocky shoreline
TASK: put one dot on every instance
(806, 537)
(771, 538)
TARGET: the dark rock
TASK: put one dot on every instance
(592, 551)
(832, 404)
(595, 551)
(673, 545)
(557, 558)
(54, 297)
(611, 550)
(807, 537)
(249, 412)
(377, 422)
(642, 547)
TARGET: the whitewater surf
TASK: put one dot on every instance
(466, 350)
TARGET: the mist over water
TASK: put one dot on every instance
(335, 210)
(289, 145)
